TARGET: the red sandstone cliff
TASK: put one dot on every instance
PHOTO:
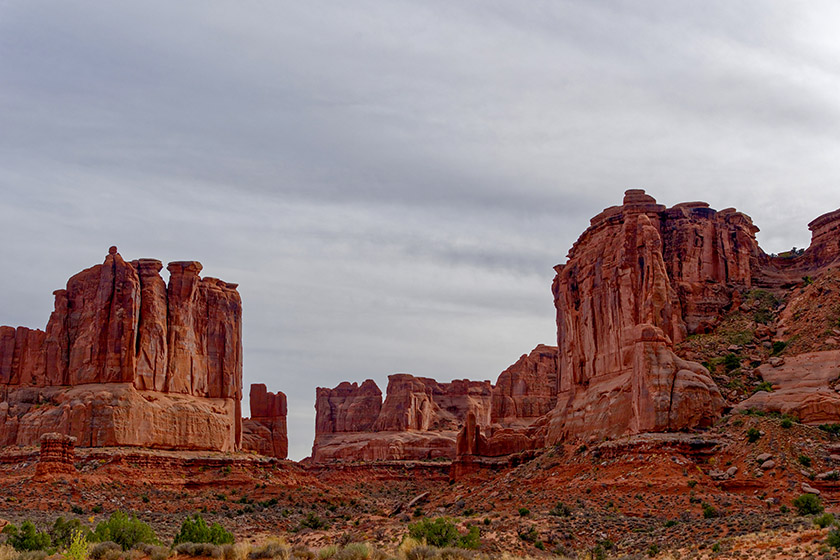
(125, 360)
(265, 432)
(420, 417)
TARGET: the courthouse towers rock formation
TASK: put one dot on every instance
(127, 360)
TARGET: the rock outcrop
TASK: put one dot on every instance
(126, 360)
(619, 314)
(420, 418)
(801, 388)
(527, 389)
(57, 455)
(265, 432)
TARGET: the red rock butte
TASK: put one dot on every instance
(127, 360)
(636, 283)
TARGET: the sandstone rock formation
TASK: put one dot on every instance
(125, 360)
(420, 418)
(801, 388)
(57, 455)
(265, 432)
(619, 313)
(527, 389)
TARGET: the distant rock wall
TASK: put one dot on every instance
(119, 345)
(420, 418)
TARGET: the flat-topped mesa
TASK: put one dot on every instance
(619, 312)
(117, 329)
(266, 432)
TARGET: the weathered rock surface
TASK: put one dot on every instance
(57, 455)
(801, 388)
(125, 360)
(619, 314)
(527, 389)
(419, 418)
(265, 432)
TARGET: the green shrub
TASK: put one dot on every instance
(709, 511)
(692, 483)
(824, 520)
(731, 362)
(441, 532)
(671, 523)
(765, 386)
(833, 538)
(779, 347)
(833, 429)
(753, 435)
(560, 510)
(124, 530)
(804, 460)
(312, 521)
(524, 512)
(28, 537)
(808, 504)
(786, 423)
(195, 530)
(63, 530)
(653, 550)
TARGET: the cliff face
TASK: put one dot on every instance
(619, 314)
(420, 417)
(265, 432)
(126, 360)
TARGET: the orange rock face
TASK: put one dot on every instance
(420, 417)
(265, 432)
(618, 315)
(527, 389)
(118, 349)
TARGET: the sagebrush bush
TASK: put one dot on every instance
(441, 532)
(272, 549)
(106, 550)
(234, 551)
(207, 550)
(154, 552)
(8, 552)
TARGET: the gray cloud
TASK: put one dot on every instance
(391, 183)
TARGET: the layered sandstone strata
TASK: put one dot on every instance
(127, 360)
(265, 431)
(57, 455)
(420, 418)
(620, 310)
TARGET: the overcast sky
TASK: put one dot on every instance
(390, 183)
